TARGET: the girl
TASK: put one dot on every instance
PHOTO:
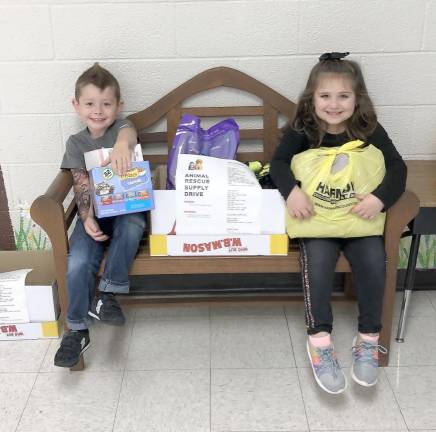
(335, 108)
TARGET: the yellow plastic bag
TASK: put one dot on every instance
(332, 188)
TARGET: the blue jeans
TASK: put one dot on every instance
(367, 259)
(86, 255)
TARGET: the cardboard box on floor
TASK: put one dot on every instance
(41, 295)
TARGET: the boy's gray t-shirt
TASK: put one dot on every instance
(82, 142)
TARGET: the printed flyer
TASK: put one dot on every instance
(13, 305)
(216, 196)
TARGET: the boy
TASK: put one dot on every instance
(97, 102)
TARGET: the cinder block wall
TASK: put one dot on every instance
(154, 45)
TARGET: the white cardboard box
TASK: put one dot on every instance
(42, 301)
(32, 330)
(272, 218)
(273, 239)
(41, 295)
(215, 245)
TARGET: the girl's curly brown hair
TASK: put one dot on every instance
(359, 126)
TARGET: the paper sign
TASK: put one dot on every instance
(13, 305)
(216, 196)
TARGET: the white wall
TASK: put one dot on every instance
(153, 46)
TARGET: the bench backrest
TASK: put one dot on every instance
(171, 107)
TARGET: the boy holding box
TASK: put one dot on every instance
(97, 101)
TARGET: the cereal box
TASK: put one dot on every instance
(115, 195)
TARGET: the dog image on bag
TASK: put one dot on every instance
(339, 172)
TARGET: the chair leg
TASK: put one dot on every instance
(408, 286)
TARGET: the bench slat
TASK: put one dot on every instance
(249, 111)
(146, 264)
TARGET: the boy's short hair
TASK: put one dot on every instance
(100, 77)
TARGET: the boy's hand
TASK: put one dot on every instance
(299, 204)
(93, 230)
(369, 206)
(120, 158)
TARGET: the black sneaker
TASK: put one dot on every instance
(73, 344)
(105, 308)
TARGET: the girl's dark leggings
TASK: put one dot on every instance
(367, 258)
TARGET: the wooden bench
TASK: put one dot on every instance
(55, 216)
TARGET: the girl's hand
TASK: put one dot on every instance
(299, 204)
(93, 230)
(369, 206)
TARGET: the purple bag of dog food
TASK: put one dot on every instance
(221, 141)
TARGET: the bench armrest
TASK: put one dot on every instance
(48, 212)
(397, 219)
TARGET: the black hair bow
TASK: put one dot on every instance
(333, 56)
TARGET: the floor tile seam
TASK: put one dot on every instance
(118, 400)
(210, 370)
(213, 317)
(410, 316)
(129, 345)
(290, 340)
(249, 317)
(27, 400)
(431, 303)
(395, 398)
(309, 367)
(210, 399)
(169, 317)
(322, 430)
(418, 317)
(19, 372)
(85, 371)
(276, 317)
(175, 319)
(204, 369)
(253, 368)
(124, 374)
(414, 365)
(44, 356)
(300, 388)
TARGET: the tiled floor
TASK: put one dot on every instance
(216, 369)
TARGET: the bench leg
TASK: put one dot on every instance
(348, 287)
(383, 360)
(79, 366)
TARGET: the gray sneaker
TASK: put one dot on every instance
(326, 369)
(365, 362)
